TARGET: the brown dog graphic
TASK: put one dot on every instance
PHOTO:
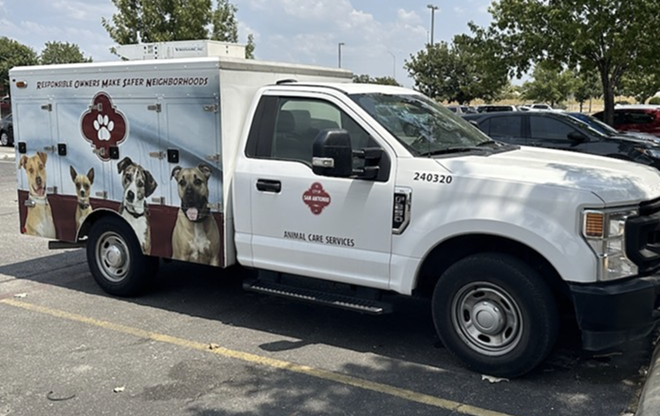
(195, 236)
(83, 189)
(39, 220)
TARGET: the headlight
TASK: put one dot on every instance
(605, 232)
(653, 153)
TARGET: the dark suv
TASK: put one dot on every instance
(561, 131)
(641, 118)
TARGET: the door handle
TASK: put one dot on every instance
(268, 185)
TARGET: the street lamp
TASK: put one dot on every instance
(433, 9)
(339, 45)
(393, 65)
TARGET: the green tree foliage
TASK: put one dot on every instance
(250, 46)
(585, 87)
(172, 20)
(13, 54)
(366, 79)
(640, 83)
(225, 26)
(456, 72)
(550, 84)
(607, 37)
(62, 53)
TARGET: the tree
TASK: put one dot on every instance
(607, 37)
(585, 87)
(225, 26)
(62, 53)
(550, 84)
(171, 20)
(454, 72)
(13, 53)
(366, 79)
(641, 83)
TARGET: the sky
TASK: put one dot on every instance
(377, 35)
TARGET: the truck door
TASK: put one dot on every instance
(301, 223)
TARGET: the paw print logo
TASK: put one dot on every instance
(103, 125)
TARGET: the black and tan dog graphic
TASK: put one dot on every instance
(83, 185)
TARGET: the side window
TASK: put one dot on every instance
(505, 127)
(299, 121)
(548, 128)
(639, 117)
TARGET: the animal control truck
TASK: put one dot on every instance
(336, 193)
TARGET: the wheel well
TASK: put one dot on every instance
(94, 217)
(453, 250)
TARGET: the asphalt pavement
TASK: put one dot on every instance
(197, 345)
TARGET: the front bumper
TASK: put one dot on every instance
(610, 314)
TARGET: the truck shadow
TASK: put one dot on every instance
(403, 343)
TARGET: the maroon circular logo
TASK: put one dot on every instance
(103, 125)
(316, 198)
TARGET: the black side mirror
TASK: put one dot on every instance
(577, 137)
(332, 154)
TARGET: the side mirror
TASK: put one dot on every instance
(332, 154)
(577, 137)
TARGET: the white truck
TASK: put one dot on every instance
(337, 193)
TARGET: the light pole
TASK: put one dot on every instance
(433, 9)
(339, 45)
(393, 65)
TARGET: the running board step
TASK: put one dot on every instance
(369, 306)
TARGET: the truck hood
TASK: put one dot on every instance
(616, 182)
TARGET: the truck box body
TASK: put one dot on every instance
(108, 119)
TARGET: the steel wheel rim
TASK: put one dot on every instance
(112, 256)
(4, 139)
(487, 318)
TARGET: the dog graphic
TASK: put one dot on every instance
(83, 189)
(39, 220)
(195, 236)
(138, 185)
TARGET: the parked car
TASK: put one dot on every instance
(489, 108)
(560, 131)
(638, 118)
(461, 109)
(5, 105)
(608, 130)
(6, 131)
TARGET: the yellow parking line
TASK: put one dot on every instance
(265, 361)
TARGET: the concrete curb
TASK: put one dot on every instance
(649, 402)
(8, 157)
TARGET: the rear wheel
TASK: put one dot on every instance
(496, 314)
(116, 260)
(4, 139)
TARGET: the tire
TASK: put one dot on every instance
(116, 260)
(4, 139)
(519, 317)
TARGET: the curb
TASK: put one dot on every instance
(8, 157)
(649, 401)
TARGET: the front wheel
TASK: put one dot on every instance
(4, 139)
(116, 260)
(496, 314)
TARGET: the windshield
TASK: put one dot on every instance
(596, 124)
(422, 125)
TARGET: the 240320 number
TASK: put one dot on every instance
(433, 178)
